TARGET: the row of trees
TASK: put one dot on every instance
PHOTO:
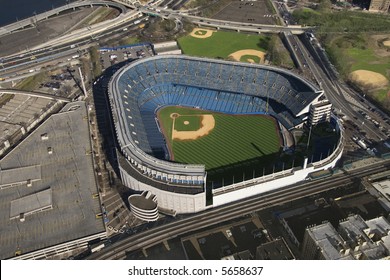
(277, 53)
(327, 21)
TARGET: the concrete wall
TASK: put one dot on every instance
(181, 203)
(264, 184)
(164, 45)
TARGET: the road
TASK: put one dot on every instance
(215, 216)
(50, 49)
(312, 60)
(71, 6)
(335, 94)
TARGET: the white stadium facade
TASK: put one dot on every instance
(140, 88)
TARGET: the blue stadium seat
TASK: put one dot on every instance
(216, 86)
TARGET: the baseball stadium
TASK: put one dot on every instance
(198, 133)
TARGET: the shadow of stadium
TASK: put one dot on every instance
(251, 168)
(104, 116)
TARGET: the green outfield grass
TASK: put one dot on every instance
(221, 44)
(234, 139)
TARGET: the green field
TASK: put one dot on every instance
(234, 139)
(246, 58)
(221, 44)
(187, 123)
(351, 52)
(367, 59)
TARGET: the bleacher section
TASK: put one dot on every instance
(144, 86)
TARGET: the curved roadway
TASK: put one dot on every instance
(36, 18)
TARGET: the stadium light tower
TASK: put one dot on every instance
(308, 139)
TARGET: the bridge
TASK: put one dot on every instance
(31, 21)
(223, 24)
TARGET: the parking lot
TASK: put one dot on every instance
(112, 56)
(247, 11)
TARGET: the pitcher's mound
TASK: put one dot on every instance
(368, 78)
(201, 33)
(249, 52)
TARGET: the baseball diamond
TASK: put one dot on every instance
(220, 139)
(183, 123)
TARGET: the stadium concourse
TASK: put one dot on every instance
(139, 89)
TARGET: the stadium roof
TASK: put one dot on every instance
(32, 203)
(52, 172)
(19, 175)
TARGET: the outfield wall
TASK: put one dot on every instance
(265, 184)
(278, 180)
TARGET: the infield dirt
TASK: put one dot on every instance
(369, 78)
(238, 54)
(201, 33)
(207, 125)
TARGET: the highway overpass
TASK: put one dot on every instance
(31, 21)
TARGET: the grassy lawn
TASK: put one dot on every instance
(351, 52)
(330, 21)
(367, 60)
(381, 95)
(234, 139)
(221, 44)
(5, 98)
(32, 82)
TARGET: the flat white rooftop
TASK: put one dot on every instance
(31, 204)
(19, 175)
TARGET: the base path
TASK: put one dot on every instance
(238, 54)
(368, 78)
(207, 125)
(201, 33)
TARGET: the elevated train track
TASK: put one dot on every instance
(214, 216)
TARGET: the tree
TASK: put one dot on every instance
(324, 5)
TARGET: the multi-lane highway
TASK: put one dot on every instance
(215, 216)
(70, 6)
